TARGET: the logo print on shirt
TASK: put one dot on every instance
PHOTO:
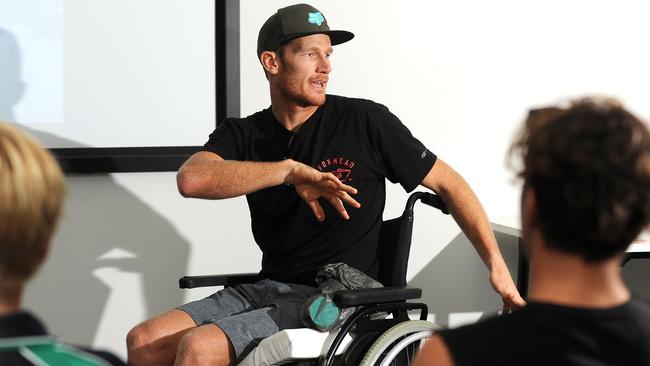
(341, 168)
(316, 18)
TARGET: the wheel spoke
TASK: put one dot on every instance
(401, 340)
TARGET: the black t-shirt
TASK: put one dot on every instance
(546, 334)
(359, 141)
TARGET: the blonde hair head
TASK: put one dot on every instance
(32, 190)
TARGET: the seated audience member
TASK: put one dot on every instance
(586, 197)
(32, 190)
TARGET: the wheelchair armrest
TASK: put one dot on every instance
(217, 280)
(371, 296)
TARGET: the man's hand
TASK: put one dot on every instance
(502, 283)
(311, 184)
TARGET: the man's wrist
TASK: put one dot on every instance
(291, 165)
(497, 265)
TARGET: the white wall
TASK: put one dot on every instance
(459, 74)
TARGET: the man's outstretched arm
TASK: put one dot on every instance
(470, 216)
(207, 175)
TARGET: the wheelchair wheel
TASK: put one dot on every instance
(399, 344)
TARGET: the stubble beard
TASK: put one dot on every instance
(291, 89)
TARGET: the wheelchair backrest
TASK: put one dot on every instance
(395, 240)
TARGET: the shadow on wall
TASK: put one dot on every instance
(13, 88)
(455, 282)
(109, 245)
(635, 275)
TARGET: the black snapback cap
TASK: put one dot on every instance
(296, 21)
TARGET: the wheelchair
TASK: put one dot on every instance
(379, 332)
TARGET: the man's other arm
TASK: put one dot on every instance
(470, 216)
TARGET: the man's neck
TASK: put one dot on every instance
(290, 115)
(565, 279)
(10, 303)
(293, 118)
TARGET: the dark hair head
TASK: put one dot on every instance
(589, 168)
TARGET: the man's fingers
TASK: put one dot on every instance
(344, 187)
(338, 205)
(317, 210)
(506, 308)
(347, 189)
(517, 301)
(347, 199)
(331, 188)
(512, 297)
(334, 183)
(512, 300)
(331, 180)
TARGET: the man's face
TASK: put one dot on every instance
(304, 68)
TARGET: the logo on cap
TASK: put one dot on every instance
(316, 18)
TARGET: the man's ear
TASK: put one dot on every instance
(269, 61)
(528, 208)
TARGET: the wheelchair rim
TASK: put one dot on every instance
(395, 350)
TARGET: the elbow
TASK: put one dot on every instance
(187, 186)
(196, 177)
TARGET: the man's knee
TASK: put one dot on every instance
(139, 336)
(141, 344)
(198, 349)
(154, 341)
(206, 345)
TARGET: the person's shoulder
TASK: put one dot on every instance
(640, 302)
(353, 104)
(485, 340)
(104, 356)
(467, 331)
(264, 114)
(247, 122)
(366, 112)
(496, 324)
(44, 347)
(639, 308)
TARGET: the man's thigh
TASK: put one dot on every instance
(251, 312)
(247, 297)
(246, 330)
(222, 304)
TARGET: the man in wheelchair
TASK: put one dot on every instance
(313, 168)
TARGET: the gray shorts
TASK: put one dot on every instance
(249, 313)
